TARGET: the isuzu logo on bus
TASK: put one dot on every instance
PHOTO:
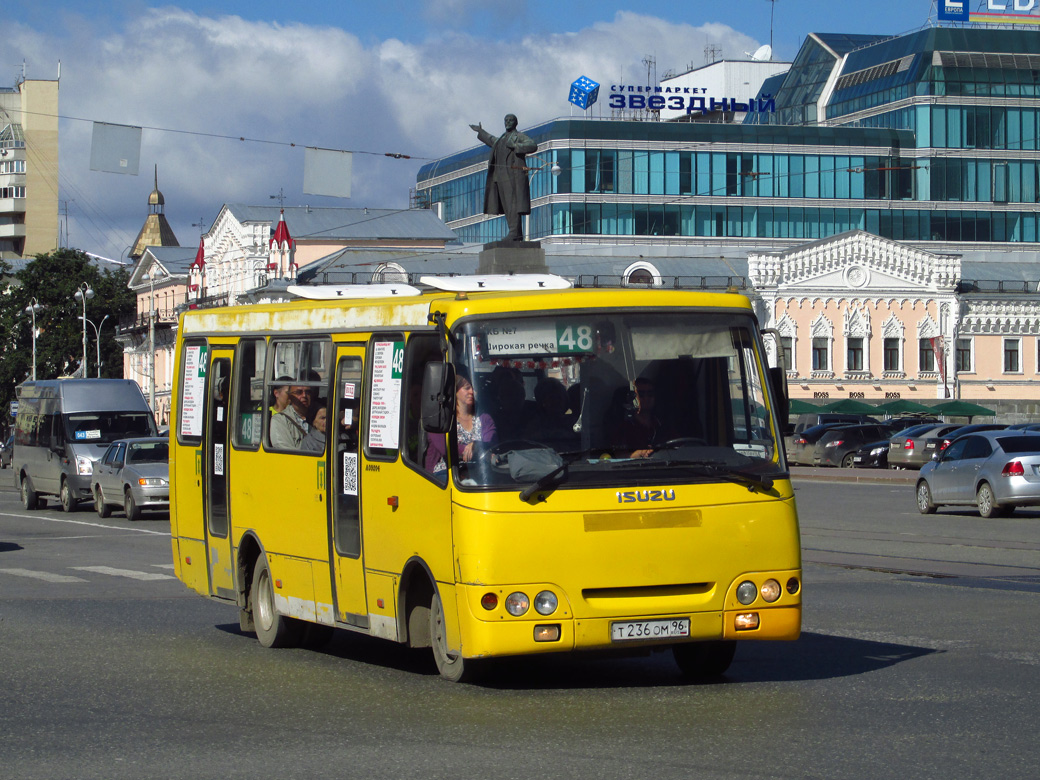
(632, 496)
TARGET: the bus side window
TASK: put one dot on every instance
(248, 408)
(421, 349)
(304, 366)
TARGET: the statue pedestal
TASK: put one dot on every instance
(512, 257)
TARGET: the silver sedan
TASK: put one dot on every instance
(995, 471)
(133, 474)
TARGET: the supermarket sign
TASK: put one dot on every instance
(996, 12)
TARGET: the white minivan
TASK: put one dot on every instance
(63, 426)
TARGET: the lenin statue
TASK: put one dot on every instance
(508, 190)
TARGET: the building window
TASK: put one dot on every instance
(854, 352)
(891, 350)
(787, 347)
(820, 354)
(925, 355)
(1012, 356)
(964, 356)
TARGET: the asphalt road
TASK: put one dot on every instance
(919, 659)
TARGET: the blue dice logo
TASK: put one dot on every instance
(584, 93)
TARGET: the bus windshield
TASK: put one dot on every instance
(606, 398)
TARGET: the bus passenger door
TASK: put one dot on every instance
(344, 489)
(215, 477)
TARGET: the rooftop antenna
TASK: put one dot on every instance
(772, 7)
(712, 52)
(201, 225)
(280, 197)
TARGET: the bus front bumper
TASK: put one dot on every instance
(482, 638)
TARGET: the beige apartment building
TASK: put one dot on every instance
(28, 168)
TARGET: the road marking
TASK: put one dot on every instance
(134, 575)
(163, 565)
(41, 575)
(84, 522)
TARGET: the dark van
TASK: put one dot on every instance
(63, 426)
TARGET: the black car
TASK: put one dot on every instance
(800, 447)
(837, 446)
(7, 452)
(872, 456)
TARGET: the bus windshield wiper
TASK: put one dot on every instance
(554, 478)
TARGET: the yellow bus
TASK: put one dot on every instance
(489, 467)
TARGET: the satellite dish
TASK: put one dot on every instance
(763, 53)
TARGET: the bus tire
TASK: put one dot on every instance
(700, 660)
(29, 498)
(272, 629)
(65, 497)
(452, 667)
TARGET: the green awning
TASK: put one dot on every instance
(904, 406)
(962, 409)
(849, 406)
(798, 406)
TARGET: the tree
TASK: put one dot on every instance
(53, 280)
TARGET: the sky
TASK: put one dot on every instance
(374, 78)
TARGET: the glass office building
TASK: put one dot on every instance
(932, 137)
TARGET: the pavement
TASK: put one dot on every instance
(872, 476)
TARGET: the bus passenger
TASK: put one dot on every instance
(470, 429)
(289, 426)
(280, 394)
(551, 424)
(314, 441)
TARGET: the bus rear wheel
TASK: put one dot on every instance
(700, 660)
(452, 667)
(272, 629)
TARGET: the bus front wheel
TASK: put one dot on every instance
(699, 660)
(272, 629)
(29, 498)
(452, 667)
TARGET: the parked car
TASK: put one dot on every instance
(909, 449)
(902, 423)
(7, 452)
(133, 474)
(1030, 426)
(837, 447)
(800, 446)
(994, 471)
(936, 444)
(813, 419)
(873, 455)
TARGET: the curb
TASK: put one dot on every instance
(868, 476)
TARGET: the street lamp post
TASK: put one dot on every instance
(84, 293)
(97, 337)
(152, 314)
(32, 308)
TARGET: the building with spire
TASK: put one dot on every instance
(156, 230)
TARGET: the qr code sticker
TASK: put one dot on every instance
(350, 473)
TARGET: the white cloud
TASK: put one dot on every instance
(310, 85)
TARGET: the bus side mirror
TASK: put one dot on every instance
(778, 379)
(438, 397)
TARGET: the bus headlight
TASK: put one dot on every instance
(517, 603)
(746, 592)
(770, 591)
(84, 466)
(545, 603)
